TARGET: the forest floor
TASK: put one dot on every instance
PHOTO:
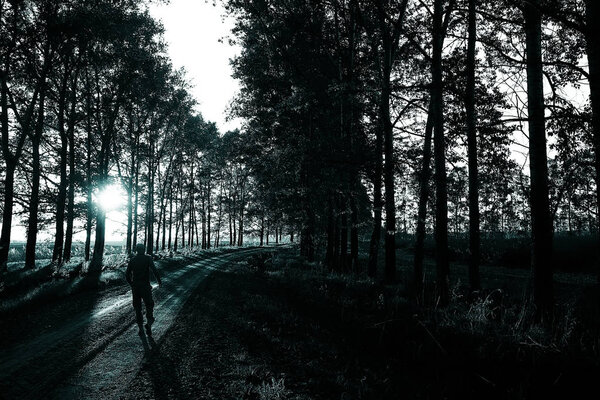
(287, 330)
(263, 324)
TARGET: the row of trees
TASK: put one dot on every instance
(419, 103)
(361, 115)
(90, 101)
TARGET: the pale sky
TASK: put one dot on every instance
(192, 31)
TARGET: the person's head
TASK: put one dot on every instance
(140, 248)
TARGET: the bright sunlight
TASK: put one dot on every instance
(111, 197)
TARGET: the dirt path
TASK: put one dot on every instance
(95, 353)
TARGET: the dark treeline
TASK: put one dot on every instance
(404, 116)
(363, 118)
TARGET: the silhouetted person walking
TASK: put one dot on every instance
(138, 276)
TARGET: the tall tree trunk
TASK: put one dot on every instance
(100, 236)
(88, 182)
(34, 201)
(541, 220)
(9, 176)
(164, 230)
(471, 122)
(136, 199)
(593, 53)
(230, 229)
(377, 202)
(128, 248)
(71, 188)
(262, 230)
(208, 218)
(424, 177)
(241, 229)
(203, 221)
(388, 149)
(151, 172)
(182, 216)
(9, 184)
(441, 215)
(57, 251)
(170, 211)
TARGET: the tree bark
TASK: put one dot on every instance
(100, 235)
(34, 200)
(136, 199)
(150, 227)
(208, 218)
(61, 198)
(541, 220)
(377, 203)
(388, 146)
(471, 122)
(9, 178)
(88, 180)
(71, 189)
(424, 177)
(9, 184)
(437, 101)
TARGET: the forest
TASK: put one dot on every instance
(456, 119)
(383, 141)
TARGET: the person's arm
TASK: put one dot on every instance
(155, 271)
(128, 273)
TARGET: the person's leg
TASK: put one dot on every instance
(149, 302)
(137, 305)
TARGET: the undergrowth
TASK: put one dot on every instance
(489, 339)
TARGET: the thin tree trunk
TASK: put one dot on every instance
(88, 181)
(471, 119)
(208, 219)
(71, 189)
(100, 237)
(262, 230)
(136, 201)
(388, 148)
(128, 248)
(34, 201)
(203, 222)
(170, 211)
(441, 215)
(424, 177)
(9, 176)
(541, 220)
(377, 202)
(9, 184)
(61, 198)
(151, 173)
